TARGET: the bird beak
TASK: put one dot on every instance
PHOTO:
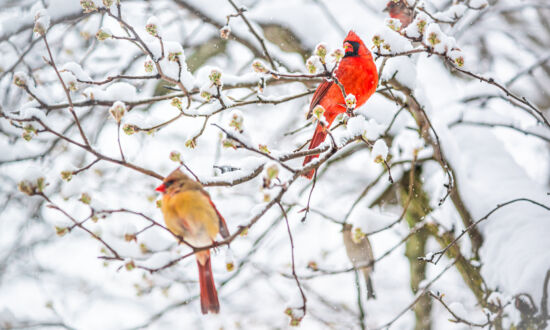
(348, 47)
(385, 9)
(161, 188)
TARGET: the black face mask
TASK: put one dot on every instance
(355, 51)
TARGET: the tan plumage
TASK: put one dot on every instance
(190, 213)
(360, 254)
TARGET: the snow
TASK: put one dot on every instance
(356, 125)
(380, 149)
(41, 21)
(122, 91)
(401, 68)
(153, 21)
(478, 3)
(76, 70)
(374, 129)
(491, 165)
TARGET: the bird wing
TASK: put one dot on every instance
(224, 231)
(321, 91)
(192, 211)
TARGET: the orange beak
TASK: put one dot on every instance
(161, 188)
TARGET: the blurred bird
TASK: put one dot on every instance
(360, 254)
(190, 213)
(358, 74)
(400, 10)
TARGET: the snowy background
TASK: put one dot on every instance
(467, 113)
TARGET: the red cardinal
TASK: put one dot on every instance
(190, 213)
(400, 9)
(357, 73)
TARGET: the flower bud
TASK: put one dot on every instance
(337, 54)
(130, 265)
(152, 29)
(259, 67)
(176, 102)
(102, 35)
(174, 56)
(72, 86)
(351, 101)
(107, 3)
(191, 143)
(129, 129)
(228, 143)
(39, 28)
(421, 26)
(393, 24)
(215, 77)
(206, 96)
(41, 22)
(27, 136)
(85, 198)
(237, 121)
(148, 65)
(313, 265)
(175, 156)
(377, 40)
(20, 80)
(143, 248)
(263, 148)
(321, 52)
(117, 111)
(318, 111)
(26, 187)
(229, 261)
(225, 32)
(433, 39)
(130, 237)
(310, 65)
(66, 175)
(272, 171)
(61, 231)
(88, 6)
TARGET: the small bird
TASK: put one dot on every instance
(359, 76)
(190, 213)
(360, 254)
(400, 10)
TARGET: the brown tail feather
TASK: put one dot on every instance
(318, 138)
(209, 295)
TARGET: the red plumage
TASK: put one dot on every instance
(209, 295)
(400, 10)
(358, 74)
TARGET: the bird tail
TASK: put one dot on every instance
(209, 295)
(368, 280)
(318, 137)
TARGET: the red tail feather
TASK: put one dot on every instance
(209, 295)
(318, 138)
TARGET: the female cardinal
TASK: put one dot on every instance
(400, 10)
(357, 73)
(360, 254)
(189, 213)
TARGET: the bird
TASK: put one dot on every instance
(360, 254)
(189, 213)
(400, 10)
(358, 75)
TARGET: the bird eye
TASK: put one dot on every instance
(168, 183)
